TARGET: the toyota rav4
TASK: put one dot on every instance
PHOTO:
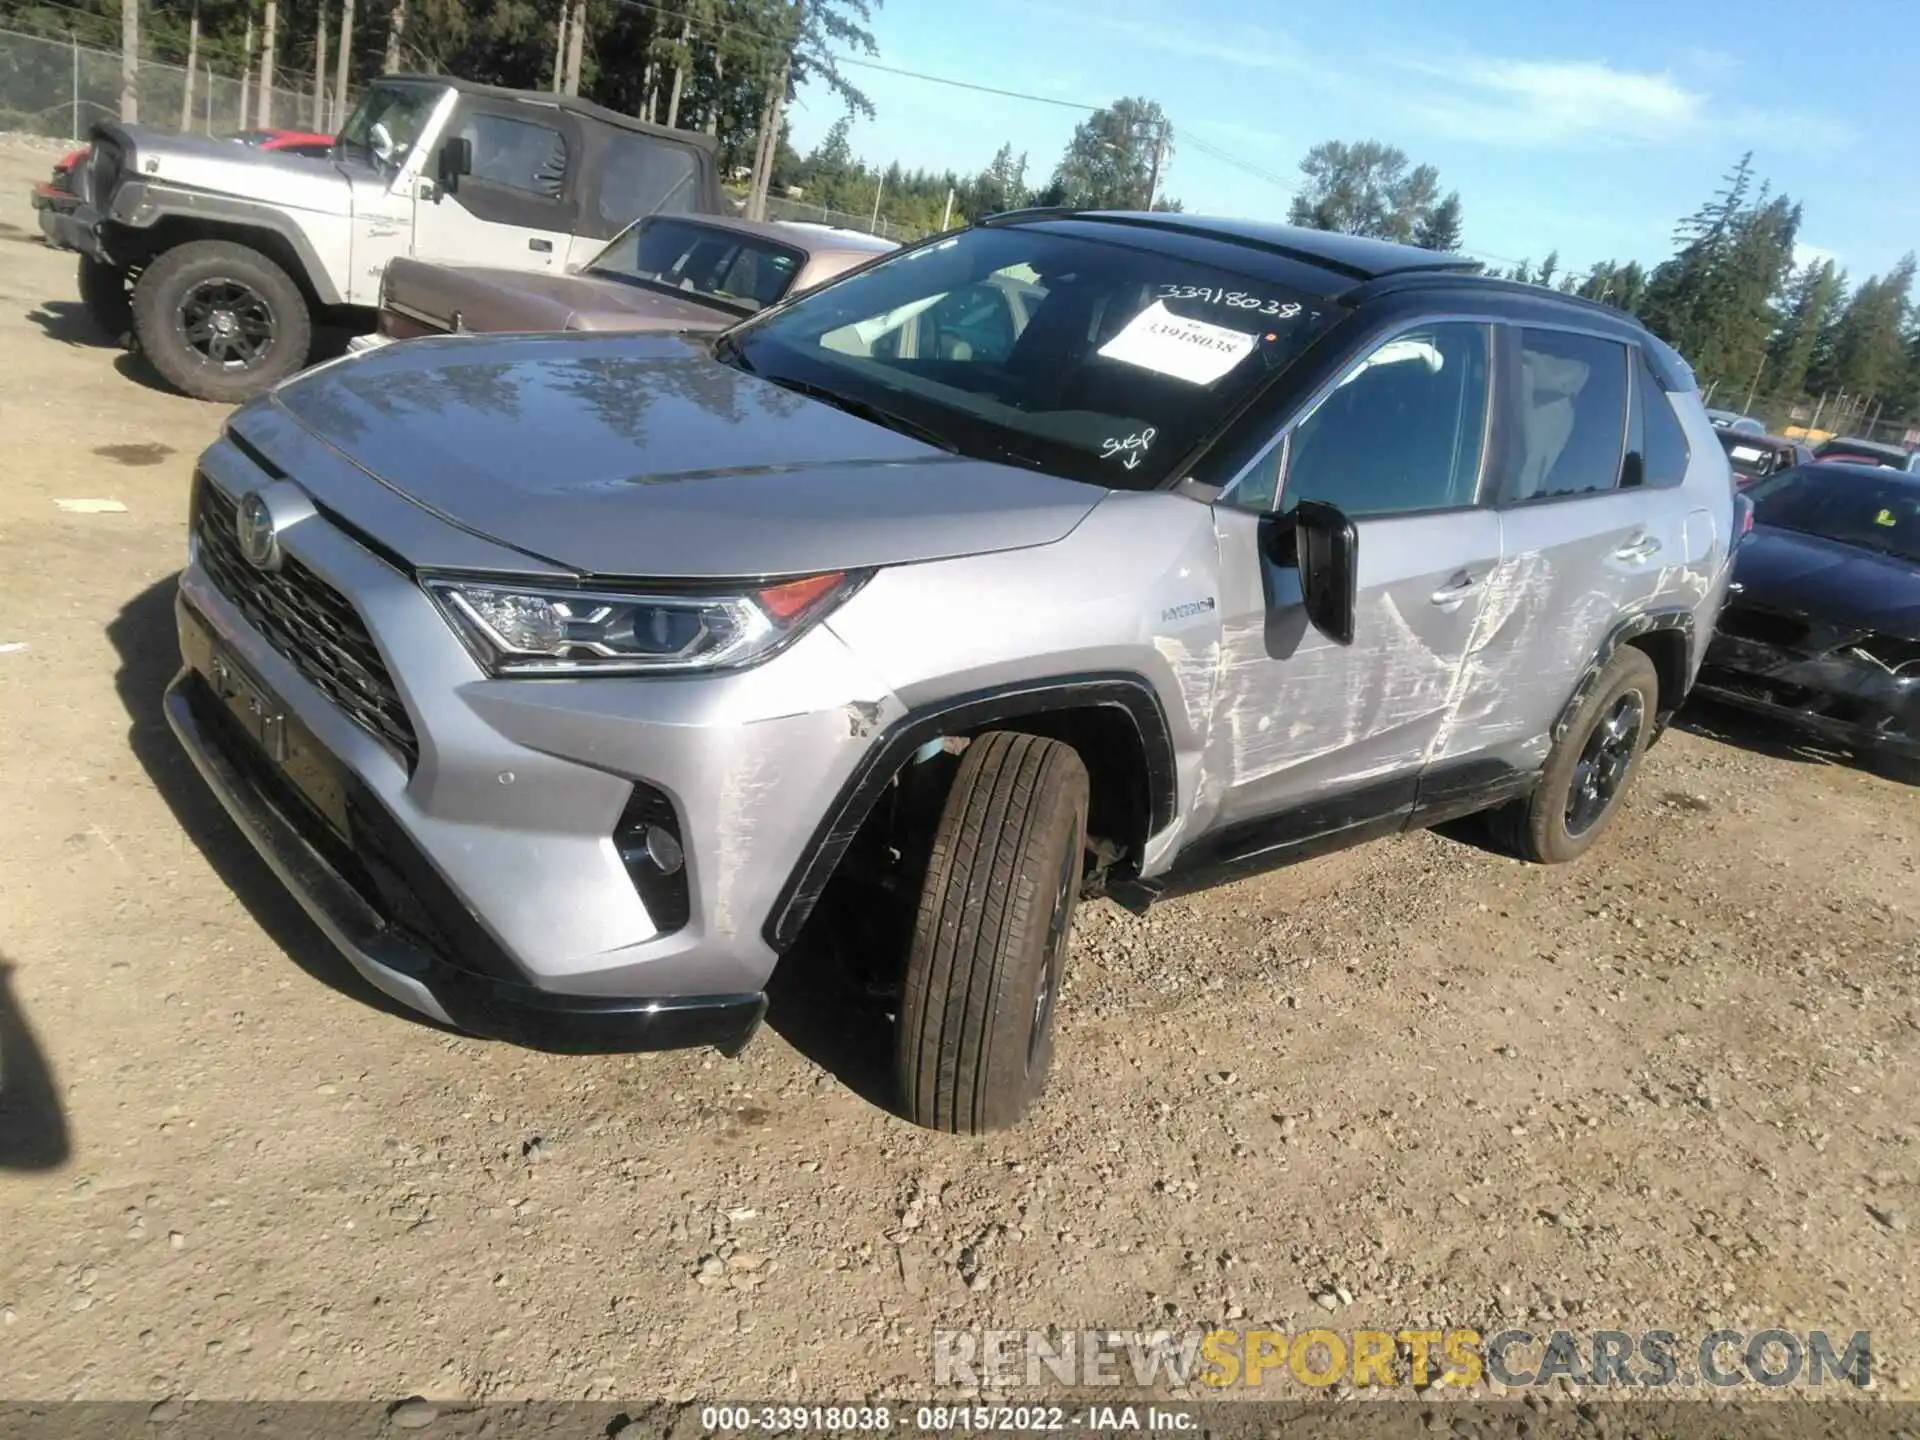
(566, 679)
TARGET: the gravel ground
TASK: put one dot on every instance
(1669, 1086)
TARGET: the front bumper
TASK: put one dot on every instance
(1835, 695)
(505, 805)
(56, 208)
(274, 820)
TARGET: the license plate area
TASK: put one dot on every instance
(277, 737)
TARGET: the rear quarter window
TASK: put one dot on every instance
(1664, 450)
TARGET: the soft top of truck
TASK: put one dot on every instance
(571, 104)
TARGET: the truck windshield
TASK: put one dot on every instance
(402, 108)
(729, 268)
(1098, 361)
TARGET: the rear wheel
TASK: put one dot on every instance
(103, 295)
(975, 1032)
(221, 321)
(1589, 767)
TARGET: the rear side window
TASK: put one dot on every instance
(517, 154)
(646, 177)
(1573, 414)
(1663, 449)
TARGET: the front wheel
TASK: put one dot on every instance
(221, 321)
(975, 1032)
(103, 295)
(1589, 767)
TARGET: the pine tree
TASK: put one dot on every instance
(1811, 303)
(1440, 227)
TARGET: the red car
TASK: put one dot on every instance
(56, 197)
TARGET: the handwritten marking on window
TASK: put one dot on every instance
(1132, 447)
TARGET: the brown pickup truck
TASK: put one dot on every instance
(666, 272)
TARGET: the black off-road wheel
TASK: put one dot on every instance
(103, 295)
(1590, 767)
(221, 321)
(974, 1039)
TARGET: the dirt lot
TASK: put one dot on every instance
(1670, 1086)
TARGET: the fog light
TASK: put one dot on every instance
(664, 850)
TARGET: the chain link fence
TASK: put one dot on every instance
(1863, 417)
(59, 88)
(779, 208)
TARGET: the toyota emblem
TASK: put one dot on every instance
(257, 532)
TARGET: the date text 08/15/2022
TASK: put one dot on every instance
(944, 1419)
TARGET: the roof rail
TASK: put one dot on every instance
(1399, 280)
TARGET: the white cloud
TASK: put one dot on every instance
(1805, 254)
(1498, 101)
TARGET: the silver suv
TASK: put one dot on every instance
(565, 678)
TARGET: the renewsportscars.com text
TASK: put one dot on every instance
(1416, 1358)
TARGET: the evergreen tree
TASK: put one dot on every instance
(1440, 227)
(1866, 352)
(1811, 303)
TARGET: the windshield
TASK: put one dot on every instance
(728, 268)
(1861, 510)
(403, 109)
(1099, 361)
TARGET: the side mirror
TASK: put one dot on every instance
(1327, 549)
(456, 159)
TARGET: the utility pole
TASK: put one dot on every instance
(73, 41)
(946, 215)
(340, 73)
(1754, 389)
(246, 68)
(130, 60)
(394, 33)
(560, 46)
(186, 80)
(317, 115)
(266, 64)
(878, 191)
(576, 43)
(1153, 172)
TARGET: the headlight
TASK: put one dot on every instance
(541, 630)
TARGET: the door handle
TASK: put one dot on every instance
(1641, 548)
(545, 247)
(1457, 589)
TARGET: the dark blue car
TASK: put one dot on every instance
(1822, 629)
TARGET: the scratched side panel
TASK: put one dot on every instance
(1304, 718)
(1134, 588)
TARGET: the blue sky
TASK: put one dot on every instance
(1586, 127)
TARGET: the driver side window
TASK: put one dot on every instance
(1403, 431)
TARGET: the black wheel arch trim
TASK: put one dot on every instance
(1628, 630)
(1117, 690)
(237, 215)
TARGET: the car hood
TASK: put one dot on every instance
(643, 456)
(493, 299)
(1826, 580)
(206, 162)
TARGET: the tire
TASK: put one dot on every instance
(103, 295)
(974, 1038)
(183, 301)
(1549, 827)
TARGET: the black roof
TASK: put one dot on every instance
(572, 104)
(1354, 257)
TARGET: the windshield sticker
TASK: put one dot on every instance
(1234, 299)
(1191, 350)
(1132, 447)
(1745, 452)
(1885, 517)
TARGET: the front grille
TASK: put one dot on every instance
(1769, 627)
(308, 622)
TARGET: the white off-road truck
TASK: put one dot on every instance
(218, 261)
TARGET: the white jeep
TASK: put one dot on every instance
(219, 260)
